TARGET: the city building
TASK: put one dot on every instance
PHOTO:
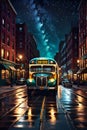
(7, 41)
(26, 49)
(21, 42)
(57, 57)
(69, 52)
(63, 57)
(72, 50)
(83, 40)
(32, 50)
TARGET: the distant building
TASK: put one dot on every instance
(57, 57)
(83, 39)
(21, 42)
(7, 40)
(68, 50)
(72, 50)
(26, 49)
(32, 50)
(63, 57)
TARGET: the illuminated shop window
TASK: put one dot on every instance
(3, 74)
(7, 74)
(2, 53)
(86, 62)
(8, 55)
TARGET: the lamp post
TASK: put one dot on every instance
(20, 57)
(78, 61)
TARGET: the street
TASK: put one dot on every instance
(43, 110)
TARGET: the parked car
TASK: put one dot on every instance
(67, 83)
(21, 81)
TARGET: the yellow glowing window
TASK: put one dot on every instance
(2, 53)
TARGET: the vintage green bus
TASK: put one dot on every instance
(43, 74)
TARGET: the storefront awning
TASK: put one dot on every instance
(12, 68)
(7, 67)
(79, 71)
(4, 67)
(82, 71)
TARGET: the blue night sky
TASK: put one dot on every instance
(48, 21)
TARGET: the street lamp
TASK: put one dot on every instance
(20, 57)
(78, 61)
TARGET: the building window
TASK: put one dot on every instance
(13, 57)
(3, 22)
(86, 63)
(8, 55)
(20, 28)
(13, 21)
(8, 41)
(3, 6)
(2, 53)
(8, 12)
(75, 37)
(8, 27)
(4, 74)
(13, 32)
(13, 45)
(3, 37)
(20, 45)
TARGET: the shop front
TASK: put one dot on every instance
(7, 72)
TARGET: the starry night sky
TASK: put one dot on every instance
(48, 21)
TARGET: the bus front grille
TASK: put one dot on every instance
(41, 81)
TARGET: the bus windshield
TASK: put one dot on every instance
(42, 69)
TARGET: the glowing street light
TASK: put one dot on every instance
(20, 57)
(78, 61)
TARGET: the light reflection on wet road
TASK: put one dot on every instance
(66, 111)
(76, 106)
(53, 118)
(31, 118)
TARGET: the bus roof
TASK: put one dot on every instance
(42, 58)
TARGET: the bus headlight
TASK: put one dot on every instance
(30, 82)
(52, 82)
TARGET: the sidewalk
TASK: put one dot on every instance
(82, 87)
